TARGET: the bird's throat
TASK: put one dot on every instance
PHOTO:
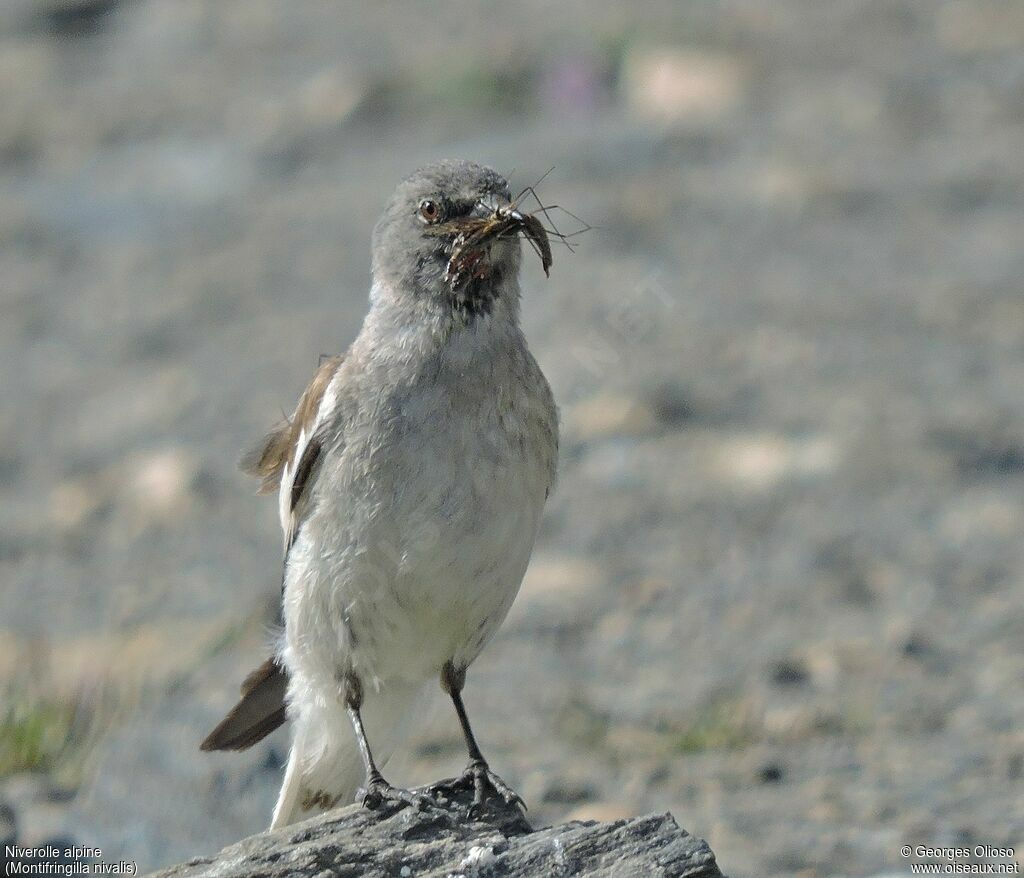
(478, 292)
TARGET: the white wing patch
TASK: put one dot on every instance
(287, 501)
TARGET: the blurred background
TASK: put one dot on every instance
(780, 590)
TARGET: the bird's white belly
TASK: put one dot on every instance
(454, 585)
(429, 573)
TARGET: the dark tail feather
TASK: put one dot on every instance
(260, 710)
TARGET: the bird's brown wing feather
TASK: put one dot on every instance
(304, 475)
(259, 711)
(261, 708)
(276, 450)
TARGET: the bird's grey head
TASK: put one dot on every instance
(449, 239)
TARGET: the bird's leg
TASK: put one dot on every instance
(376, 791)
(478, 775)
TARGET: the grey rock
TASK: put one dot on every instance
(443, 840)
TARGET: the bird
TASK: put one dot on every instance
(411, 480)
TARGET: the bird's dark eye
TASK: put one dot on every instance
(430, 210)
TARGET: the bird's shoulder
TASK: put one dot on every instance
(277, 452)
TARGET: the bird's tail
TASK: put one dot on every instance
(325, 768)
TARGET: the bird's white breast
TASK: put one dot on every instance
(424, 524)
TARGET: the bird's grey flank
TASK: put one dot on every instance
(411, 480)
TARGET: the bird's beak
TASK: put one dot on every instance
(491, 218)
(496, 218)
(492, 207)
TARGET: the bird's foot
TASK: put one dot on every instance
(378, 793)
(485, 784)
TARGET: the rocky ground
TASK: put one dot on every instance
(445, 838)
(780, 590)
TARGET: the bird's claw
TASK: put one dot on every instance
(484, 783)
(378, 793)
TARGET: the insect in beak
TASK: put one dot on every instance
(473, 234)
